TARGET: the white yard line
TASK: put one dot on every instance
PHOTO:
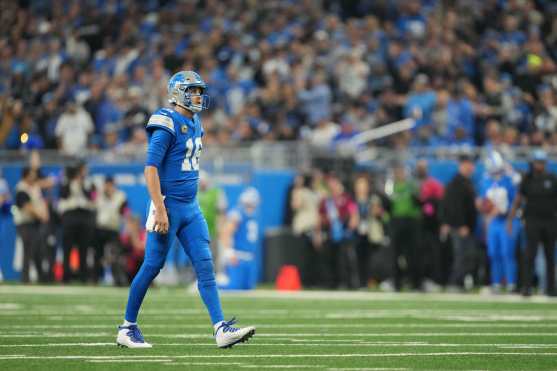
(344, 355)
(295, 326)
(305, 344)
(292, 335)
(162, 360)
(273, 294)
(226, 364)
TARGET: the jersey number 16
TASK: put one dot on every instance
(193, 151)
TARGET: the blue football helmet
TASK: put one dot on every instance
(250, 197)
(179, 91)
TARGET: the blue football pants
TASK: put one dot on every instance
(501, 248)
(186, 222)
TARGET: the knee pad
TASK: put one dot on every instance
(205, 272)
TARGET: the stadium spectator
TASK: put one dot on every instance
(73, 129)
(76, 208)
(362, 197)
(132, 241)
(306, 61)
(30, 214)
(338, 222)
(111, 206)
(431, 195)
(538, 192)
(458, 217)
(305, 204)
(405, 228)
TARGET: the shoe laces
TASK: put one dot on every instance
(227, 326)
(135, 334)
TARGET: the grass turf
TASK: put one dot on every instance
(74, 328)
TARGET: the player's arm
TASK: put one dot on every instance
(158, 145)
(512, 214)
(227, 239)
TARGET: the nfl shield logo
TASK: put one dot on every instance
(184, 129)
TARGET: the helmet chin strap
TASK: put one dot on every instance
(187, 109)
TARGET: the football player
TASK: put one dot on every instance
(171, 174)
(497, 191)
(239, 240)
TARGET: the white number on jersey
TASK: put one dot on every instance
(252, 231)
(193, 152)
(500, 198)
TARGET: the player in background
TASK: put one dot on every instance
(239, 240)
(497, 192)
(171, 174)
(213, 203)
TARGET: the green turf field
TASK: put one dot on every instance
(74, 328)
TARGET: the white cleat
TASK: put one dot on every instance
(227, 336)
(131, 337)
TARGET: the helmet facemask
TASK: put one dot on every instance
(192, 98)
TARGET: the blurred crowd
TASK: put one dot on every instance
(78, 75)
(407, 231)
(72, 228)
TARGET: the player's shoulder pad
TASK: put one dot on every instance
(162, 118)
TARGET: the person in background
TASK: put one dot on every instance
(405, 228)
(30, 213)
(132, 241)
(338, 222)
(363, 246)
(431, 195)
(213, 203)
(497, 193)
(73, 129)
(239, 240)
(76, 208)
(5, 212)
(305, 205)
(111, 206)
(458, 216)
(538, 192)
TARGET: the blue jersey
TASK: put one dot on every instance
(247, 233)
(174, 148)
(500, 191)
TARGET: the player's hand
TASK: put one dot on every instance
(229, 256)
(463, 231)
(161, 221)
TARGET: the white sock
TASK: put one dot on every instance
(126, 323)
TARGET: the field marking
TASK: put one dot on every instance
(307, 344)
(295, 326)
(239, 364)
(202, 364)
(129, 360)
(344, 355)
(292, 335)
(483, 316)
(297, 295)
